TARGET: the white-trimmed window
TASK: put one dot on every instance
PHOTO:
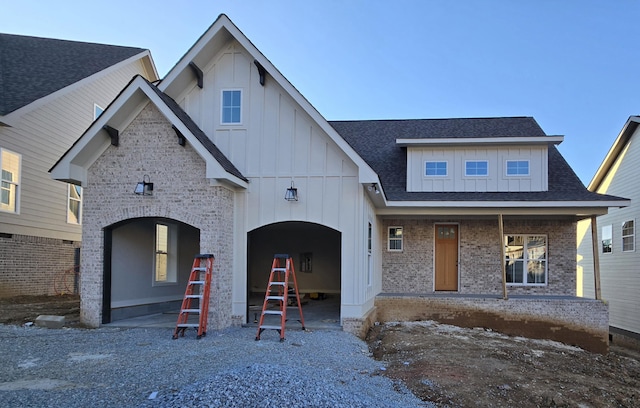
(517, 167)
(74, 204)
(526, 259)
(435, 168)
(476, 168)
(395, 239)
(607, 239)
(369, 254)
(231, 112)
(628, 236)
(97, 111)
(165, 254)
(9, 181)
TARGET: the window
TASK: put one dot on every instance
(9, 181)
(607, 236)
(476, 168)
(231, 107)
(395, 239)
(526, 259)
(369, 255)
(74, 204)
(165, 265)
(435, 168)
(628, 236)
(517, 167)
(97, 111)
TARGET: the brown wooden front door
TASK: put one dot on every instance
(446, 254)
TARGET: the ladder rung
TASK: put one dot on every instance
(189, 325)
(267, 326)
(196, 282)
(200, 268)
(272, 312)
(275, 297)
(193, 296)
(190, 310)
(279, 269)
(278, 283)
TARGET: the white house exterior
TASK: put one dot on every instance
(398, 218)
(616, 236)
(51, 91)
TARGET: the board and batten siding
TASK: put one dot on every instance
(619, 274)
(41, 137)
(496, 180)
(276, 144)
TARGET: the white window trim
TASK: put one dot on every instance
(476, 161)
(401, 239)
(524, 261)
(172, 255)
(369, 255)
(633, 236)
(610, 228)
(69, 198)
(17, 183)
(446, 173)
(222, 91)
(506, 168)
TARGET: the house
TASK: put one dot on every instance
(397, 219)
(619, 283)
(50, 92)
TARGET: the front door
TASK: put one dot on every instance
(446, 254)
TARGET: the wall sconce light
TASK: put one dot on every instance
(374, 188)
(144, 187)
(291, 194)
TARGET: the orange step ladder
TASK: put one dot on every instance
(277, 294)
(198, 290)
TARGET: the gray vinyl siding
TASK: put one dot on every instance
(44, 132)
(619, 271)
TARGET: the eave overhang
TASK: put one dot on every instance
(475, 141)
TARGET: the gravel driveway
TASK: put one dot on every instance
(113, 367)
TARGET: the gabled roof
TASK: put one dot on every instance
(32, 67)
(375, 141)
(72, 166)
(618, 146)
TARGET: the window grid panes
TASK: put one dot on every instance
(476, 168)
(526, 259)
(517, 167)
(369, 255)
(607, 239)
(628, 236)
(231, 106)
(74, 207)
(9, 180)
(435, 168)
(395, 239)
(162, 252)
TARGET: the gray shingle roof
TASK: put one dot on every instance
(375, 142)
(33, 67)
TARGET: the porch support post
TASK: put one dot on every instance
(596, 257)
(502, 259)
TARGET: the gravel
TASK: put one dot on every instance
(114, 367)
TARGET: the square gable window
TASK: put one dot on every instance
(435, 168)
(231, 107)
(476, 168)
(517, 167)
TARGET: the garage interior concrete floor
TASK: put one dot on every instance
(318, 314)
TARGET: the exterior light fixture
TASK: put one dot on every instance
(291, 194)
(374, 188)
(144, 187)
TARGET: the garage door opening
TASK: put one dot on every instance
(316, 253)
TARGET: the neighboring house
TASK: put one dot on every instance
(50, 92)
(400, 219)
(616, 236)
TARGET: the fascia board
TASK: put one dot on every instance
(582, 212)
(481, 141)
(510, 204)
(366, 173)
(629, 128)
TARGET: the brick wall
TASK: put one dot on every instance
(411, 271)
(181, 192)
(32, 266)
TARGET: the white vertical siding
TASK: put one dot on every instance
(496, 180)
(41, 136)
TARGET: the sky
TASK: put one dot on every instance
(573, 65)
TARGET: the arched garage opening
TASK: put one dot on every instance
(316, 254)
(147, 262)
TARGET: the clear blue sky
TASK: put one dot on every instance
(572, 64)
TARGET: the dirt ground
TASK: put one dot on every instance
(456, 367)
